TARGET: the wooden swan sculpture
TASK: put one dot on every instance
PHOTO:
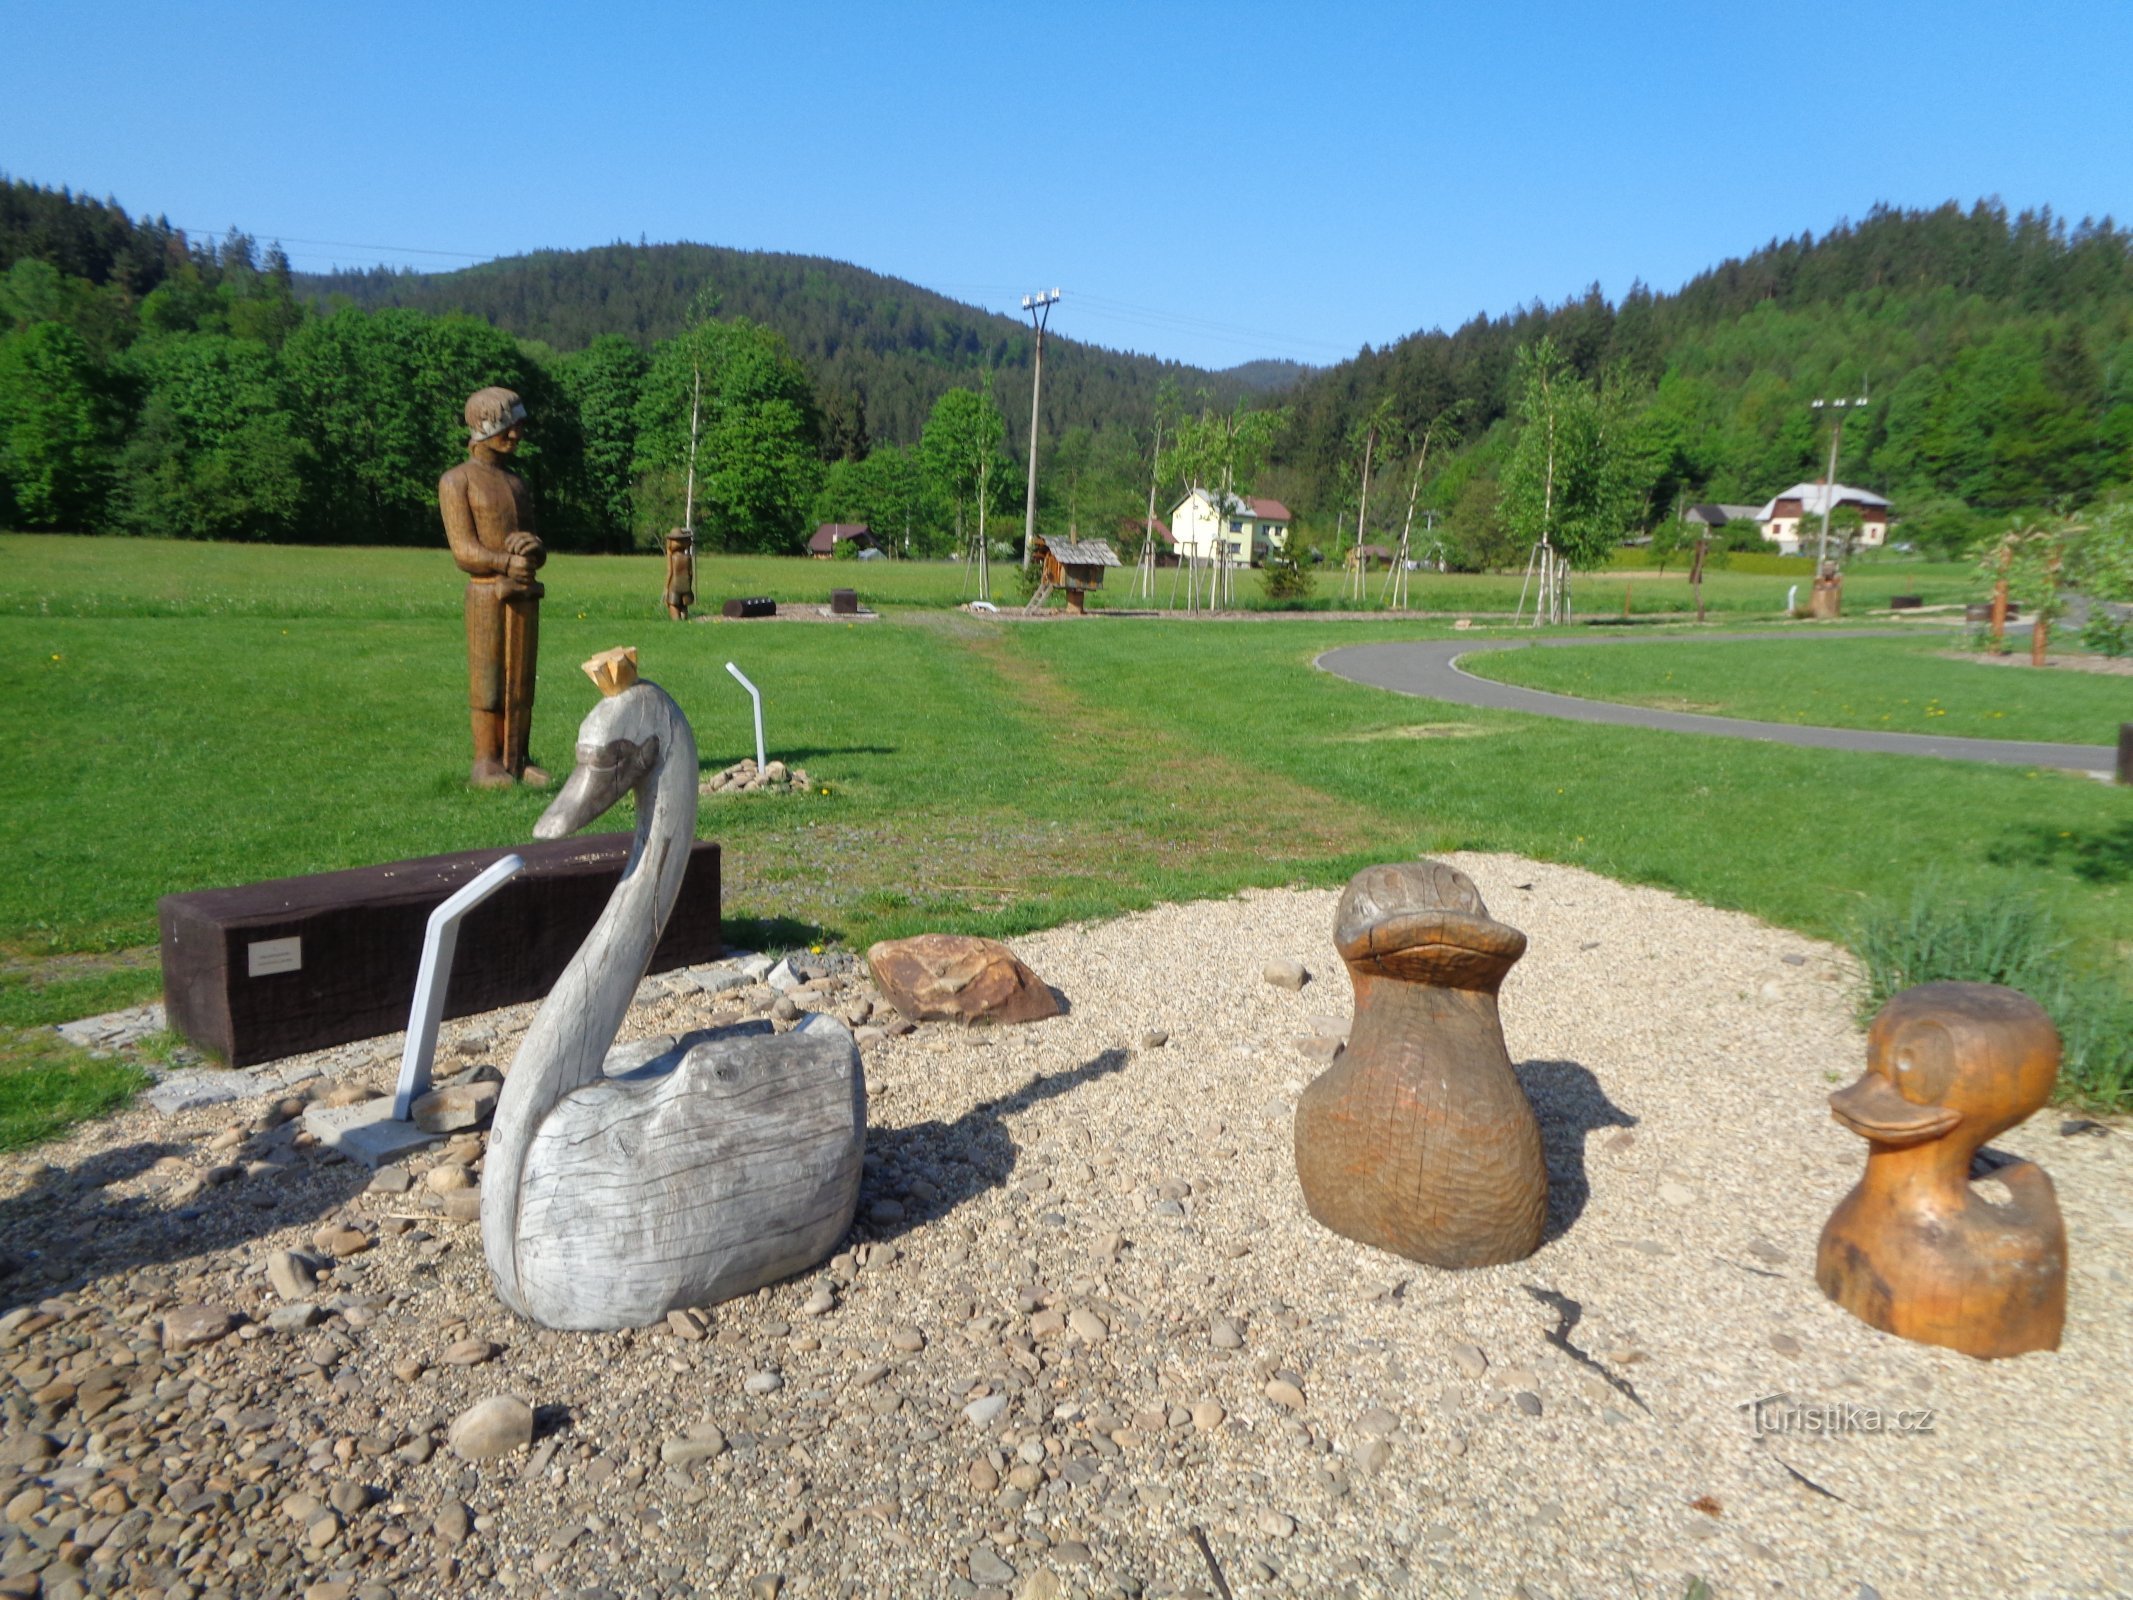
(610, 1199)
(1915, 1249)
(1419, 1139)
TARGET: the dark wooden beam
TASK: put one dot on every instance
(273, 969)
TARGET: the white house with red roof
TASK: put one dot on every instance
(1246, 528)
(1794, 517)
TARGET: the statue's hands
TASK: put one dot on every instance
(518, 569)
(525, 544)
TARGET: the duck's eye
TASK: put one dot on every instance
(1924, 1067)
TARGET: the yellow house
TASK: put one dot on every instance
(1246, 529)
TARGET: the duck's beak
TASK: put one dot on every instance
(1874, 1109)
(604, 774)
(1437, 946)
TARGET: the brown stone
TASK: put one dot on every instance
(943, 977)
(456, 1107)
(190, 1326)
(491, 1428)
(341, 1242)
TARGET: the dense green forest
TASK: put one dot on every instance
(155, 384)
(880, 351)
(1996, 352)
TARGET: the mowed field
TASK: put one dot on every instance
(54, 576)
(1925, 684)
(181, 716)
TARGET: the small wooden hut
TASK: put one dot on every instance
(1075, 565)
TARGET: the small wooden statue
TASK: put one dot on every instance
(1826, 604)
(681, 573)
(1419, 1139)
(488, 521)
(1914, 1249)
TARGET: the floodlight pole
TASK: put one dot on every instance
(1039, 306)
(1829, 485)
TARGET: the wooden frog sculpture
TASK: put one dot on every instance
(1914, 1249)
(1419, 1139)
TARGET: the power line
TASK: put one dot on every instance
(339, 244)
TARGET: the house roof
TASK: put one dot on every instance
(1237, 505)
(1133, 527)
(1813, 497)
(1081, 552)
(1713, 514)
(828, 535)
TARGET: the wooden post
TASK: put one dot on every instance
(1999, 594)
(1625, 600)
(2040, 630)
(2125, 754)
(1696, 575)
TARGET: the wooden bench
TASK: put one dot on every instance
(274, 969)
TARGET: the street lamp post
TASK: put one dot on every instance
(1829, 487)
(1039, 306)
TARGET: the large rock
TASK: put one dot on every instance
(491, 1428)
(187, 1327)
(945, 977)
(457, 1107)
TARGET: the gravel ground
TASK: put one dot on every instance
(1083, 1314)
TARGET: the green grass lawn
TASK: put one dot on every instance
(181, 716)
(1924, 685)
(81, 577)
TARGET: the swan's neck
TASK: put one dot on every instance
(568, 1043)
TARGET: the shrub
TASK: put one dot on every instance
(2106, 634)
(1285, 577)
(1945, 934)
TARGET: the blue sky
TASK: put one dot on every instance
(1210, 183)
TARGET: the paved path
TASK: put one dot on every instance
(1431, 669)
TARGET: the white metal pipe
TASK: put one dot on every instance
(756, 695)
(439, 941)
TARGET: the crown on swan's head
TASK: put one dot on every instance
(613, 670)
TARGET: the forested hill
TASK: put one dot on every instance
(1997, 351)
(881, 351)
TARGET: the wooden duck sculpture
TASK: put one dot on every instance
(1914, 1249)
(610, 1200)
(1418, 1139)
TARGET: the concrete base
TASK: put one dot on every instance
(202, 1086)
(368, 1132)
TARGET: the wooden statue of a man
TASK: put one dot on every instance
(488, 520)
(681, 573)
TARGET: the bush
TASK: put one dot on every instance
(1285, 577)
(2106, 634)
(1943, 934)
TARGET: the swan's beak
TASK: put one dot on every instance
(603, 775)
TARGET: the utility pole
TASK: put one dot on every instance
(1039, 306)
(1829, 487)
